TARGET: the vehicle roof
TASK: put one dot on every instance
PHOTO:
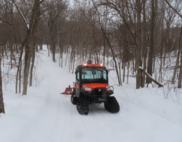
(89, 65)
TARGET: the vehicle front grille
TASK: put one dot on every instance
(99, 92)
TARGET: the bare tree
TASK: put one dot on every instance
(2, 110)
(30, 41)
(176, 10)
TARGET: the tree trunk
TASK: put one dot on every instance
(66, 56)
(40, 44)
(31, 70)
(162, 44)
(177, 59)
(3, 55)
(176, 67)
(31, 37)
(28, 54)
(20, 68)
(2, 110)
(18, 73)
(53, 49)
(150, 64)
(138, 50)
(180, 73)
(128, 69)
(144, 44)
(48, 48)
(104, 50)
(11, 54)
(124, 65)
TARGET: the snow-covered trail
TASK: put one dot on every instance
(45, 115)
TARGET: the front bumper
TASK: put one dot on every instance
(97, 95)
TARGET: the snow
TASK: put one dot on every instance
(45, 115)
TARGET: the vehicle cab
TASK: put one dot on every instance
(91, 79)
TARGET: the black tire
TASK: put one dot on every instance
(74, 99)
(82, 106)
(112, 105)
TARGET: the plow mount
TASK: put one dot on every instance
(68, 90)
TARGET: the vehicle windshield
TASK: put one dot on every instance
(94, 75)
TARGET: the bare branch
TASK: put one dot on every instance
(19, 11)
(173, 8)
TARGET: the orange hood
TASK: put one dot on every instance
(95, 85)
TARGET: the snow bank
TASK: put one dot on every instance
(45, 115)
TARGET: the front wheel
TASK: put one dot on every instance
(112, 105)
(82, 106)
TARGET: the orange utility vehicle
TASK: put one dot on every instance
(92, 86)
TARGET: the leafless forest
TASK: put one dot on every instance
(130, 35)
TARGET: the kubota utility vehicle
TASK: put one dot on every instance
(91, 86)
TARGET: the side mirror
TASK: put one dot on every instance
(107, 71)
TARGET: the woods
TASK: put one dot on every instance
(126, 35)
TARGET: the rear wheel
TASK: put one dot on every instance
(74, 99)
(82, 106)
(112, 105)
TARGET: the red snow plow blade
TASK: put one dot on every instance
(68, 91)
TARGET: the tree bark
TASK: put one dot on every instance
(32, 66)
(177, 59)
(31, 37)
(18, 73)
(150, 61)
(180, 73)
(138, 49)
(2, 110)
(162, 44)
(144, 44)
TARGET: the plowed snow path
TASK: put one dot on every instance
(45, 115)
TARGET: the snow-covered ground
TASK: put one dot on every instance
(45, 115)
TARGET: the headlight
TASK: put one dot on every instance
(110, 88)
(87, 88)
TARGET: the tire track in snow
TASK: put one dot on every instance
(43, 124)
(67, 125)
(147, 110)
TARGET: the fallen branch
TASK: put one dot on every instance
(148, 75)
